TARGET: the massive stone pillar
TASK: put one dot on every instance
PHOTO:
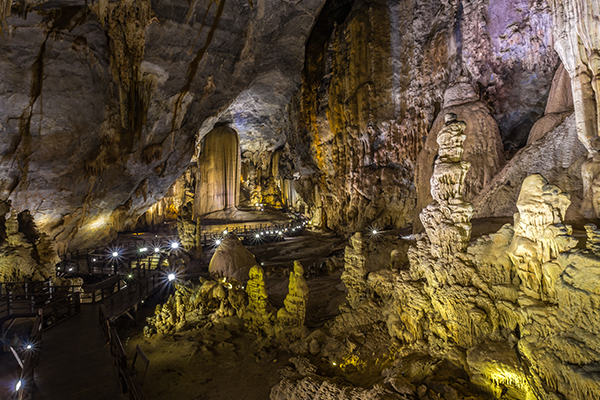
(219, 172)
(577, 40)
(447, 219)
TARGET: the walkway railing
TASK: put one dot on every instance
(127, 376)
(132, 294)
(255, 234)
(25, 384)
(99, 260)
(56, 302)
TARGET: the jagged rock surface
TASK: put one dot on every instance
(373, 86)
(482, 145)
(25, 253)
(98, 103)
(558, 155)
(515, 310)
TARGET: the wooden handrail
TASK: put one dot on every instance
(127, 376)
(30, 360)
(145, 361)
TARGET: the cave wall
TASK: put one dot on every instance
(102, 105)
(372, 89)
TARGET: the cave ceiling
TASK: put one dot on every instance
(101, 103)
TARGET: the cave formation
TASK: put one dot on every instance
(355, 199)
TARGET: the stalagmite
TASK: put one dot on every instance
(540, 236)
(294, 312)
(219, 168)
(447, 218)
(256, 314)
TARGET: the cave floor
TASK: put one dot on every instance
(221, 360)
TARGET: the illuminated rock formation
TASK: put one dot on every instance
(593, 239)
(218, 182)
(355, 271)
(577, 41)
(482, 145)
(447, 218)
(294, 312)
(540, 237)
(232, 259)
(211, 299)
(256, 314)
(25, 254)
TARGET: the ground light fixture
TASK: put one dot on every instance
(143, 250)
(171, 276)
(157, 249)
(218, 242)
(174, 245)
(115, 254)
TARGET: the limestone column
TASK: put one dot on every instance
(577, 40)
(218, 183)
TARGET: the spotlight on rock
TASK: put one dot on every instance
(373, 231)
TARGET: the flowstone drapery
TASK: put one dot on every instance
(577, 41)
(447, 218)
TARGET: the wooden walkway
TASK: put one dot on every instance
(75, 363)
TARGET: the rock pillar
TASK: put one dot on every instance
(577, 42)
(447, 220)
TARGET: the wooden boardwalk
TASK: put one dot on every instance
(75, 363)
